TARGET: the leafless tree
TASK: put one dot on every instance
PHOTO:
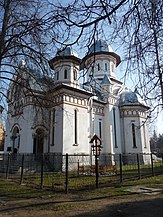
(30, 29)
(140, 30)
(135, 25)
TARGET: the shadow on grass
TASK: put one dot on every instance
(143, 207)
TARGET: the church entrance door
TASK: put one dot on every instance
(38, 142)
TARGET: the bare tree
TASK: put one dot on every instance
(140, 31)
(30, 29)
(135, 25)
(25, 38)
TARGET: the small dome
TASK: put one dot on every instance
(100, 45)
(67, 51)
(106, 80)
(129, 97)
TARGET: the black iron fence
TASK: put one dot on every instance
(75, 172)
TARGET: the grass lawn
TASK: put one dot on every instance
(26, 201)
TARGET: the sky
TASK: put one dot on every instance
(159, 123)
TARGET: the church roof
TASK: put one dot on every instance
(100, 45)
(131, 98)
(67, 51)
(106, 80)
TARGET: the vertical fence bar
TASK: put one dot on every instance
(8, 165)
(66, 186)
(96, 166)
(120, 165)
(152, 167)
(42, 170)
(138, 163)
(78, 168)
(22, 168)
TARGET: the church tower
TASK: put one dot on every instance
(66, 66)
(100, 62)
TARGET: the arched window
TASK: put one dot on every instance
(100, 128)
(65, 74)
(133, 135)
(53, 126)
(57, 75)
(98, 67)
(75, 127)
(144, 133)
(106, 66)
(112, 67)
(115, 130)
(75, 75)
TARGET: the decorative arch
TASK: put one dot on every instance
(39, 136)
(15, 138)
(15, 125)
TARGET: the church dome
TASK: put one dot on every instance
(100, 46)
(131, 98)
(67, 51)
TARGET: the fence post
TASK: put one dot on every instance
(152, 165)
(78, 168)
(96, 168)
(8, 165)
(42, 170)
(66, 186)
(138, 163)
(22, 167)
(120, 165)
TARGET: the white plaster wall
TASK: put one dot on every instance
(70, 66)
(118, 133)
(107, 131)
(24, 124)
(101, 59)
(82, 132)
(7, 135)
(129, 137)
(58, 135)
(99, 118)
(145, 137)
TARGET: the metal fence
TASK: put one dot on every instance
(76, 172)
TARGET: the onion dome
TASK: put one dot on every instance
(67, 51)
(131, 98)
(100, 46)
(68, 54)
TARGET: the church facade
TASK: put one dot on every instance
(74, 112)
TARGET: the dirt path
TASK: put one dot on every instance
(137, 205)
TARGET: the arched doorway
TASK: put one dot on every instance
(38, 141)
(15, 139)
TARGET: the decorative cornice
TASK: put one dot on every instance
(98, 110)
(133, 113)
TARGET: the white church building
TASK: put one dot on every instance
(74, 112)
